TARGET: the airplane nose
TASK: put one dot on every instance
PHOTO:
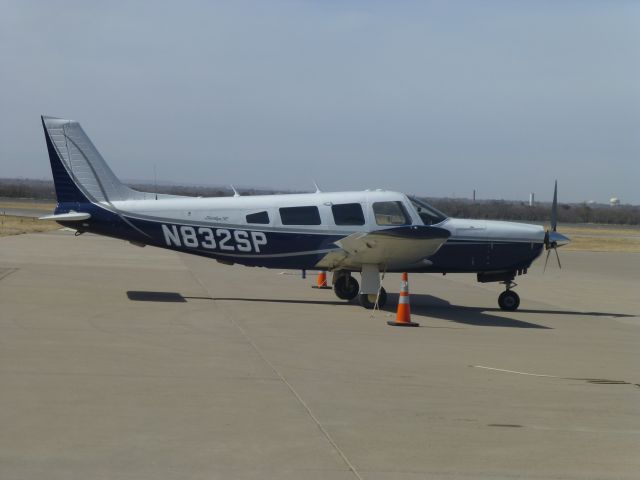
(558, 239)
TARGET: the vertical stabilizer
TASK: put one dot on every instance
(80, 174)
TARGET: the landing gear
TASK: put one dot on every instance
(509, 300)
(368, 300)
(346, 287)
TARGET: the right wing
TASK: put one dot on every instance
(391, 247)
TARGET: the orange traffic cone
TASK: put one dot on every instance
(403, 316)
(321, 281)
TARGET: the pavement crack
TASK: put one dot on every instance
(595, 381)
(4, 272)
(282, 378)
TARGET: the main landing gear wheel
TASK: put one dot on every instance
(368, 300)
(346, 287)
(509, 300)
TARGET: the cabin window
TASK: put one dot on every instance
(348, 214)
(259, 217)
(390, 213)
(300, 216)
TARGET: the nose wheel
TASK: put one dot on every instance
(509, 300)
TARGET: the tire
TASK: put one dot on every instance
(368, 300)
(509, 300)
(346, 287)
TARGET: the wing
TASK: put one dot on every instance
(394, 247)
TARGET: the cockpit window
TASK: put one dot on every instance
(428, 214)
(390, 213)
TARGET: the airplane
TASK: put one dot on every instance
(367, 232)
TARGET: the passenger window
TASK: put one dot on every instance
(390, 213)
(348, 214)
(300, 216)
(260, 217)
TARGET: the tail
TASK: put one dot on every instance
(80, 174)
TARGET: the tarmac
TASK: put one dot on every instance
(120, 362)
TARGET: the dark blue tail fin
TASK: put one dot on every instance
(66, 189)
(80, 174)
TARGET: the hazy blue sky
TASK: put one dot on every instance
(436, 98)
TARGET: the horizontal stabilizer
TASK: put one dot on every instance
(67, 217)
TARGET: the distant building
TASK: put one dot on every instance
(532, 199)
(614, 201)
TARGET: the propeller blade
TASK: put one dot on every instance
(554, 208)
(558, 257)
(546, 260)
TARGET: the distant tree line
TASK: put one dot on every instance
(454, 207)
(44, 190)
(26, 188)
(521, 211)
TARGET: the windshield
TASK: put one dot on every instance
(428, 214)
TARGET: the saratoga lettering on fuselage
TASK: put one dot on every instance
(221, 239)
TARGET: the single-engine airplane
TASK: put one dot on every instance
(369, 232)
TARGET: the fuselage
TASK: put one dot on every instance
(300, 230)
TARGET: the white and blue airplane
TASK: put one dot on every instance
(368, 232)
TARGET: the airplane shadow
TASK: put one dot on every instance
(144, 296)
(175, 297)
(565, 312)
(422, 305)
(429, 306)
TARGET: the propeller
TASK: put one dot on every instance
(551, 237)
(546, 260)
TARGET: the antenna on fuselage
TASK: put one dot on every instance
(317, 187)
(235, 192)
(155, 181)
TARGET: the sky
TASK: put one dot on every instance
(436, 98)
